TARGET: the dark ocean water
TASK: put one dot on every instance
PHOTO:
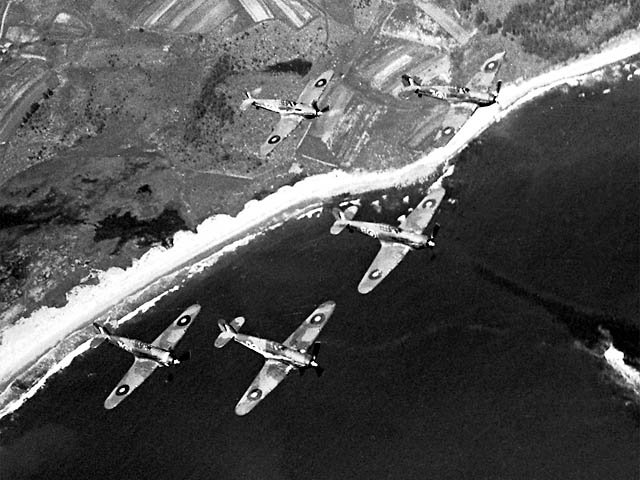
(463, 364)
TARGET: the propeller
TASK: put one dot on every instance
(315, 349)
(183, 357)
(431, 242)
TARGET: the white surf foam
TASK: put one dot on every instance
(629, 376)
(32, 336)
(66, 361)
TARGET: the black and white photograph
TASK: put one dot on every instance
(319, 239)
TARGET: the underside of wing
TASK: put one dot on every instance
(313, 90)
(457, 115)
(388, 258)
(483, 80)
(285, 126)
(308, 331)
(418, 220)
(272, 373)
(174, 332)
(138, 373)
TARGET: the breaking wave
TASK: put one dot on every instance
(217, 235)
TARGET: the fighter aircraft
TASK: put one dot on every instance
(395, 242)
(298, 352)
(291, 113)
(464, 100)
(148, 356)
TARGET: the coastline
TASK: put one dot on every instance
(51, 325)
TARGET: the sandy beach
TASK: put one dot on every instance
(31, 337)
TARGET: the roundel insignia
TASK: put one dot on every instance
(255, 394)
(274, 139)
(317, 318)
(122, 390)
(447, 130)
(184, 320)
(321, 83)
(429, 203)
(490, 66)
(375, 274)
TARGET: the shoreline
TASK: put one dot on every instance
(52, 325)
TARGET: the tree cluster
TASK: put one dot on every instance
(545, 27)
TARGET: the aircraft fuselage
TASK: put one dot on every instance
(275, 351)
(453, 94)
(143, 350)
(387, 233)
(286, 107)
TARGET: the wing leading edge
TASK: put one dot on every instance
(272, 373)
(388, 258)
(138, 373)
(304, 336)
(314, 89)
(455, 118)
(419, 219)
(283, 128)
(483, 80)
(174, 332)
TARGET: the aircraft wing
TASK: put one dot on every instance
(314, 88)
(455, 117)
(308, 331)
(284, 127)
(138, 373)
(174, 332)
(418, 220)
(484, 79)
(388, 258)
(272, 373)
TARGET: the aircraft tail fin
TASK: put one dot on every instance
(409, 81)
(498, 86)
(342, 218)
(102, 330)
(228, 331)
(247, 102)
(103, 333)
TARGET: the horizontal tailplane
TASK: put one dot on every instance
(409, 81)
(247, 102)
(102, 330)
(228, 331)
(342, 218)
